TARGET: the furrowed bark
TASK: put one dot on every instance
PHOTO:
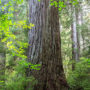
(45, 46)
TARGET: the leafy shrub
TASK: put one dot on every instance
(78, 79)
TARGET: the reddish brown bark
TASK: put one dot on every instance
(47, 47)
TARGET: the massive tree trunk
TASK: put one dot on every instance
(45, 46)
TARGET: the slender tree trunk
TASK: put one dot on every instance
(79, 23)
(45, 46)
(75, 54)
(74, 37)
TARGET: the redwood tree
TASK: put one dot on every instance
(45, 46)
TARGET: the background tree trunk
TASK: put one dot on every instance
(79, 24)
(74, 37)
(45, 46)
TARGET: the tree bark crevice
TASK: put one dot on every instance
(51, 75)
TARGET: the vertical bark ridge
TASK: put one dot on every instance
(35, 34)
(45, 46)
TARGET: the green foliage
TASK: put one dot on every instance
(13, 28)
(20, 82)
(62, 4)
(39, 0)
(78, 79)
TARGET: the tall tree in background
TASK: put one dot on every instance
(45, 46)
(75, 55)
(79, 20)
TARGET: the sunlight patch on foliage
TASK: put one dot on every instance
(16, 62)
